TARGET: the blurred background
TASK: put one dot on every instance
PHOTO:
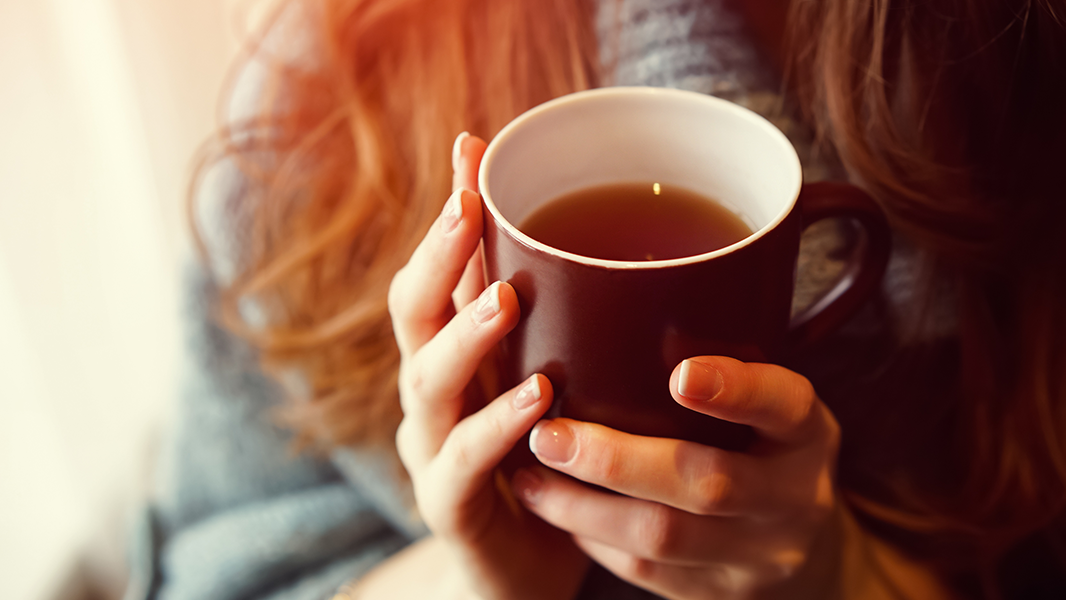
(102, 106)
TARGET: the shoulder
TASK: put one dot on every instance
(238, 154)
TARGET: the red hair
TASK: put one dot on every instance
(950, 112)
(346, 163)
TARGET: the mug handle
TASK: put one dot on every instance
(864, 271)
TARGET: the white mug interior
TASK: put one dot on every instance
(647, 135)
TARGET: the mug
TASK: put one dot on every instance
(609, 333)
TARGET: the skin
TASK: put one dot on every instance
(688, 521)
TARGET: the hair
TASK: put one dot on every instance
(952, 114)
(346, 164)
(949, 112)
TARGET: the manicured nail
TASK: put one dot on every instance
(552, 442)
(698, 381)
(453, 212)
(528, 394)
(527, 485)
(457, 150)
(488, 304)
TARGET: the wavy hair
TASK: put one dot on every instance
(345, 164)
(949, 112)
(952, 114)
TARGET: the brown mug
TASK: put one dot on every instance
(609, 333)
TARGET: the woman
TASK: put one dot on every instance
(925, 461)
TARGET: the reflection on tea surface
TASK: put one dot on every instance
(635, 222)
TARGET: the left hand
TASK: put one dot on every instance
(695, 521)
(445, 321)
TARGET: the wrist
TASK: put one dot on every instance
(425, 569)
(846, 562)
(875, 569)
(822, 574)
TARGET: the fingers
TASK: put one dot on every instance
(655, 577)
(793, 482)
(479, 442)
(466, 159)
(666, 580)
(476, 445)
(646, 529)
(420, 296)
(694, 478)
(440, 354)
(432, 380)
(472, 282)
(444, 273)
(780, 404)
(689, 518)
(662, 549)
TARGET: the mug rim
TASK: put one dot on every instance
(594, 94)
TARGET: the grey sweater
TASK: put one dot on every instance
(238, 515)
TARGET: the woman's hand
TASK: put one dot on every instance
(696, 521)
(445, 324)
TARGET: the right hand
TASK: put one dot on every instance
(444, 328)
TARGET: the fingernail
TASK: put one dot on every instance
(698, 381)
(488, 304)
(552, 442)
(453, 212)
(527, 485)
(528, 395)
(457, 150)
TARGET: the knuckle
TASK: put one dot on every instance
(465, 340)
(456, 452)
(608, 465)
(413, 381)
(731, 577)
(656, 532)
(495, 426)
(713, 484)
(714, 493)
(475, 431)
(638, 569)
(461, 458)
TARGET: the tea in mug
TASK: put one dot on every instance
(635, 222)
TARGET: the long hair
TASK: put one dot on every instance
(345, 164)
(950, 112)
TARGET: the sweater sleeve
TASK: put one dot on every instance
(237, 512)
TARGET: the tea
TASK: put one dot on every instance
(635, 222)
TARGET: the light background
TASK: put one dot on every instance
(102, 105)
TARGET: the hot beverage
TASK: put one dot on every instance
(635, 222)
(607, 325)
